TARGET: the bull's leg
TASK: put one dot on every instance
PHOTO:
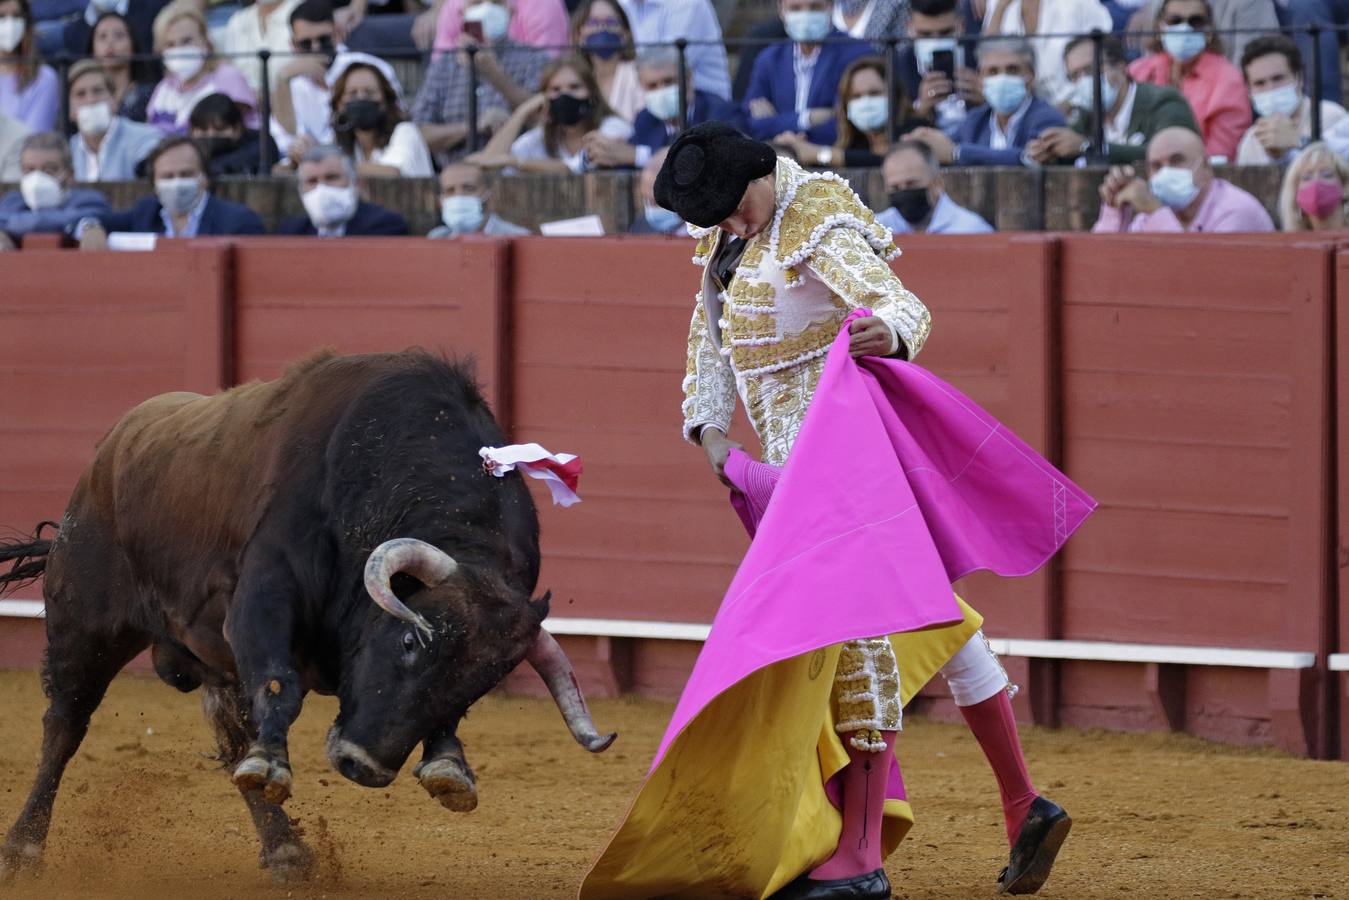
(282, 852)
(78, 669)
(445, 774)
(260, 630)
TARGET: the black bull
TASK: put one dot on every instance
(331, 531)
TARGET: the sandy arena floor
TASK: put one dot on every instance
(143, 814)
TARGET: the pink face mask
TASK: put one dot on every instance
(1319, 198)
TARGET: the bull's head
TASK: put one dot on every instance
(417, 670)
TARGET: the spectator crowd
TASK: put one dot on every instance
(179, 92)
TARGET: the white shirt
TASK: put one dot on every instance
(313, 115)
(530, 145)
(244, 34)
(663, 21)
(948, 217)
(406, 152)
(1057, 17)
(859, 28)
(999, 139)
(1117, 129)
(803, 67)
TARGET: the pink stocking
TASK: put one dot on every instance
(864, 784)
(994, 727)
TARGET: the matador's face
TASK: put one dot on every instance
(755, 211)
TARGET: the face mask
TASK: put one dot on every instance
(218, 145)
(361, 115)
(178, 195)
(1183, 42)
(329, 206)
(807, 26)
(41, 191)
(495, 19)
(1174, 187)
(661, 219)
(868, 113)
(1004, 93)
(1083, 93)
(11, 33)
(1281, 101)
(1319, 198)
(94, 120)
(118, 6)
(564, 109)
(462, 214)
(923, 48)
(184, 62)
(913, 204)
(664, 102)
(604, 44)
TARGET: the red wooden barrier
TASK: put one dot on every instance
(1196, 404)
(1340, 703)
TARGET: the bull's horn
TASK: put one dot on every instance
(551, 663)
(427, 563)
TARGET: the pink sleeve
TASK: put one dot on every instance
(231, 82)
(1228, 118)
(1161, 221)
(1151, 69)
(450, 23)
(541, 23)
(1111, 221)
(1244, 215)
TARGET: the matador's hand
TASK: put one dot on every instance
(718, 447)
(869, 337)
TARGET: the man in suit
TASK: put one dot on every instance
(658, 122)
(45, 200)
(1134, 112)
(997, 133)
(332, 205)
(182, 205)
(794, 86)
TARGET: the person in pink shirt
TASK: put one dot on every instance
(1191, 60)
(1181, 194)
(537, 23)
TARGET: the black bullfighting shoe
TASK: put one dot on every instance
(871, 886)
(1042, 833)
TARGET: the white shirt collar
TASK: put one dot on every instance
(1000, 139)
(1117, 129)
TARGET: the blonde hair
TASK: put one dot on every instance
(1292, 216)
(181, 9)
(90, 67)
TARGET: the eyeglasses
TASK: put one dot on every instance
(316, 45)
(603, 22)
(1197, 22)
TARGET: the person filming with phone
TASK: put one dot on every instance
(937, 69)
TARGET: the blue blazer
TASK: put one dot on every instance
(775, 79)
(370, 220)
(648, 131)
(976, 133)
(220, 217)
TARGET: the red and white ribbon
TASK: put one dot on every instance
(560, 471)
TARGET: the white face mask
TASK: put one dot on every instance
(11, 33)
(41, 191)
(923, 48)
(1174, 187)
(1084, 93)
(495, 19)
(184, 62)
(661, 219)
(95, 119)
(106, 6)
(462, 214)
(868, 113)
(807, 26)
(178, 195)
(664, 102)
(329, 206)
(1183, 42)
(1280, 101)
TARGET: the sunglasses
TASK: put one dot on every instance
(1197, 21)
(316, 45)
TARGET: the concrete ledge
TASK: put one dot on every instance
(1339, 662)
(22, 609)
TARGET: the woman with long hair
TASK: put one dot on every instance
(112, 43)
(1312, 198)
(603, 37)
(29, 90)
(869, 119)
(1188, 56)
(572, 107)
(193, 71)
(369, 122)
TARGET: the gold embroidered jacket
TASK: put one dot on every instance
(822, 256)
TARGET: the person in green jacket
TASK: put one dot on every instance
(1134, 112)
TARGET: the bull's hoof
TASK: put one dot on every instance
(19, 859)
(450, 782)
(268, 776)
(289, 863)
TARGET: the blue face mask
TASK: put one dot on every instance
(1083, 93)
(807, 26)
(868, 113)
(1174, 187)
(604, 44)
(1004, 93)
(661, 219)
(1183, 42)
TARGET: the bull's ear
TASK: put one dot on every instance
(540, 605)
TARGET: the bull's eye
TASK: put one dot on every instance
(409, 641)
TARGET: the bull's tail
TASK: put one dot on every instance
(28, 558)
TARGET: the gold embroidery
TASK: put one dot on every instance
(847, 264)
(709, 384)
(867, 687)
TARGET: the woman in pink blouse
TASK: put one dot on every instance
(1190, 59)
(191, 71)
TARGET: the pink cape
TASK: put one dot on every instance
(897, 486)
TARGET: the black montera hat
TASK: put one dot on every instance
(707, 170)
